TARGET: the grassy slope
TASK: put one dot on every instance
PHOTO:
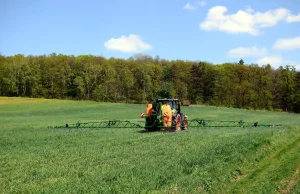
(231, 160)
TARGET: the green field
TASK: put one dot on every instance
(35, 159)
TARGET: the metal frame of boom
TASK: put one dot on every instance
(191, 124)
(212, 123)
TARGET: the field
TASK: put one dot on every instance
(35, 159)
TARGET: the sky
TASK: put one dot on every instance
(216, 31)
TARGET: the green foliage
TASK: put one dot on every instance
(141, 78)
(297, 93)
(241, 62)
(35, 159)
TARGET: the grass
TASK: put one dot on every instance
(35, 159)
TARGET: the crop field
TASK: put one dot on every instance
(36, 159)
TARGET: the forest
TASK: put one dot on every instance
(141, 78)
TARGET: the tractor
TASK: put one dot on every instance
(165, 114)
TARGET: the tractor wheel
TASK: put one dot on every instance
(178, 122)
(185, 123)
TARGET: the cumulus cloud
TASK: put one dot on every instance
(193, 6)
(189, 6)
(201, 3)
(249, 9)
(245, 21)
(272, 60)
(276, 61)
(297, 67)
(247, 52)
(132, 43)
(293, 18)
(287, 44)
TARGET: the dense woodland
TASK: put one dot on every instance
(141, 78)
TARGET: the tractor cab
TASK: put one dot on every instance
(165, 113)
(173, 103)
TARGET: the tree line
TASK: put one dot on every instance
(141, 78)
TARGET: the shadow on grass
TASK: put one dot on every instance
(161, 131)
(146, 131)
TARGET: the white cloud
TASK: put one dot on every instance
(287, 43)
(247, 52)
(293, 18)
(193, 6)
(201, 3)
(132, 43)
(297, 67)
(276, 61)
(294, 64)
(245, 21)
(249, 9)
(189, 6)
(272, 60)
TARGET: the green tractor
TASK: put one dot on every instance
(165, 114)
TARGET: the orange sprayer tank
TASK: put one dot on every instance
(149, 109)
(167, 113)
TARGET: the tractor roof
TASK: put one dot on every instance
(167, 99)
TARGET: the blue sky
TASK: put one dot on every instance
(216, 31)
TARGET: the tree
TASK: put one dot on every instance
(3, 88)
(296, 106)
(241, 62)
(288, 87)
(202, 83)
(125, 81)
(105, 88)
(13, 74)
(179, 76)
(89, 73)
(142, 78)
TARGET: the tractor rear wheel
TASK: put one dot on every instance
(178, 122)
(185, 123)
